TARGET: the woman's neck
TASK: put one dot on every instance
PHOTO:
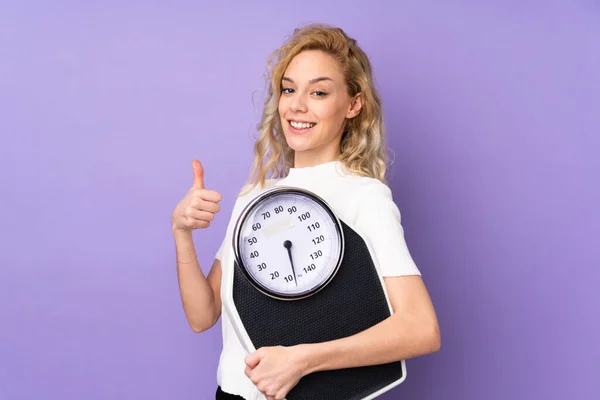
(310, 158)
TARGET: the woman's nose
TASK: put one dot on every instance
(298, 103)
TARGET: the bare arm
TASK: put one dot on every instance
(410, 332)
(200, 295)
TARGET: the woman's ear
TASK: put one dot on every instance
(355, 106)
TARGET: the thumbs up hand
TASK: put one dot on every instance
(199, 205)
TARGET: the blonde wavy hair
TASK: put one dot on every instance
(362, 146)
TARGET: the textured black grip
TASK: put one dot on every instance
(352, 302)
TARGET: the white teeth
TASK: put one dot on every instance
(301, 125)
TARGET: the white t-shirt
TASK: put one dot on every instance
(364, 204)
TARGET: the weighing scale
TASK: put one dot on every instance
(302, 275)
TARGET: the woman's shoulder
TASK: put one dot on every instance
(362, 199)
(369, 188)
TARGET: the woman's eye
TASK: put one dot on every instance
(320, 93)
(287, 90)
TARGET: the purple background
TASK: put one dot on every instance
(493, 113)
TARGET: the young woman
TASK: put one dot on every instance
(321, 130)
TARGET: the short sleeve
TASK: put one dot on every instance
(227, 237)
(219, 254)
(379, 220)
(240, 202)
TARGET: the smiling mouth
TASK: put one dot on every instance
(301, 125)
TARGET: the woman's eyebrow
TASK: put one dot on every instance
(314, 80)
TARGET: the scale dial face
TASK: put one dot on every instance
(288, 243)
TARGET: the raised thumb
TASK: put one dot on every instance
(198, 174)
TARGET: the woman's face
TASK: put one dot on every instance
(313, 107)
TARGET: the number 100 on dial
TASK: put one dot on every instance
(288, 243)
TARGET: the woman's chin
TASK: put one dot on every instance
(297, 144)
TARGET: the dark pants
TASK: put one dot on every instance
(221, 395)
